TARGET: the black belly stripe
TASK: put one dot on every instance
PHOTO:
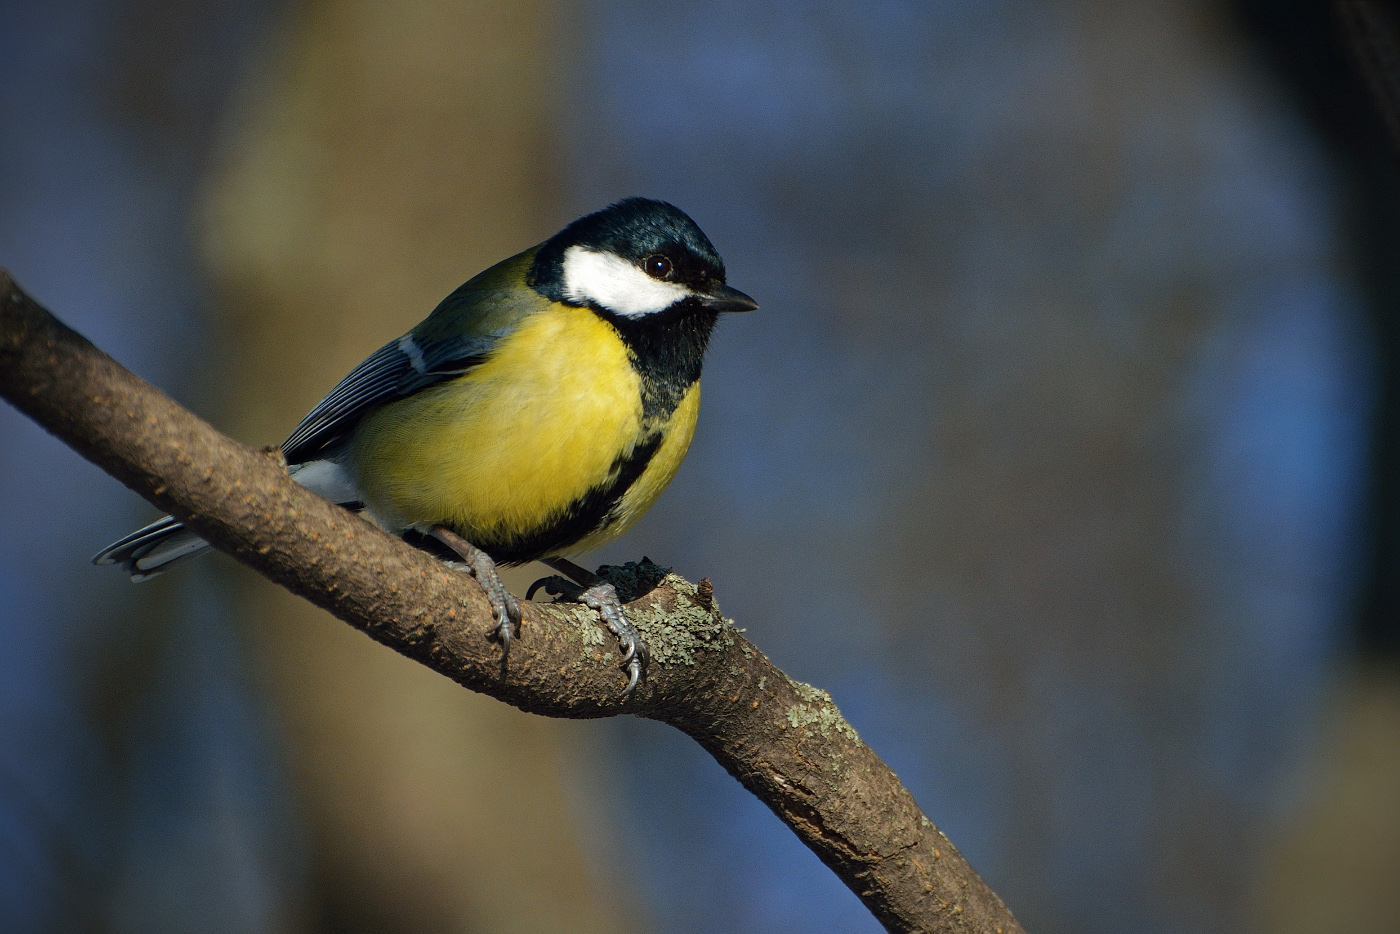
(582, 517)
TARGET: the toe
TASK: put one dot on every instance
(504, 634)
(629, 649)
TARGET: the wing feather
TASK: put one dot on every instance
(392, 372)
(457, 336)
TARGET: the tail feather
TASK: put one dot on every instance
(166, 542)
(153, 550)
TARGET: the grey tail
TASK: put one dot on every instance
(161, 545)
(153, 550)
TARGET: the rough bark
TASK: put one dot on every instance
(783, 740)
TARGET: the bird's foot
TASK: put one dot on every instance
(635, 655)
(504, 607)
(597, 594)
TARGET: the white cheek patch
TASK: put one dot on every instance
(615, 284)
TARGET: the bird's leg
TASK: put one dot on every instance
(555, 586)
(504, 606)
(600, 595)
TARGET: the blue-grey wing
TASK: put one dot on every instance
(398, 369)
(457, 336)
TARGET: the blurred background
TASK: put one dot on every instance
(1064, 452)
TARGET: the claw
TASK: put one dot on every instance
(503, 634)
(600, 596)
(603, 598)
(504, 607)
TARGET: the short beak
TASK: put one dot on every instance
(725, 298)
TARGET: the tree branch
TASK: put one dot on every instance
(784, 741)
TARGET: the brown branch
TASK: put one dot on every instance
(785, 741)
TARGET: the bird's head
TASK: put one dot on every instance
(633, 259)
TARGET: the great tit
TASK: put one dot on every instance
(537, 413)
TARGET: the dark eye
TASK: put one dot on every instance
(657, 266)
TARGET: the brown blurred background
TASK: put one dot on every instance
(1062, 452)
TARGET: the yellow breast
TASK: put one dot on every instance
(506, 449)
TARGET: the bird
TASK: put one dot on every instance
(535, 414)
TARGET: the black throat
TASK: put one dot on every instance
(666, 349)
